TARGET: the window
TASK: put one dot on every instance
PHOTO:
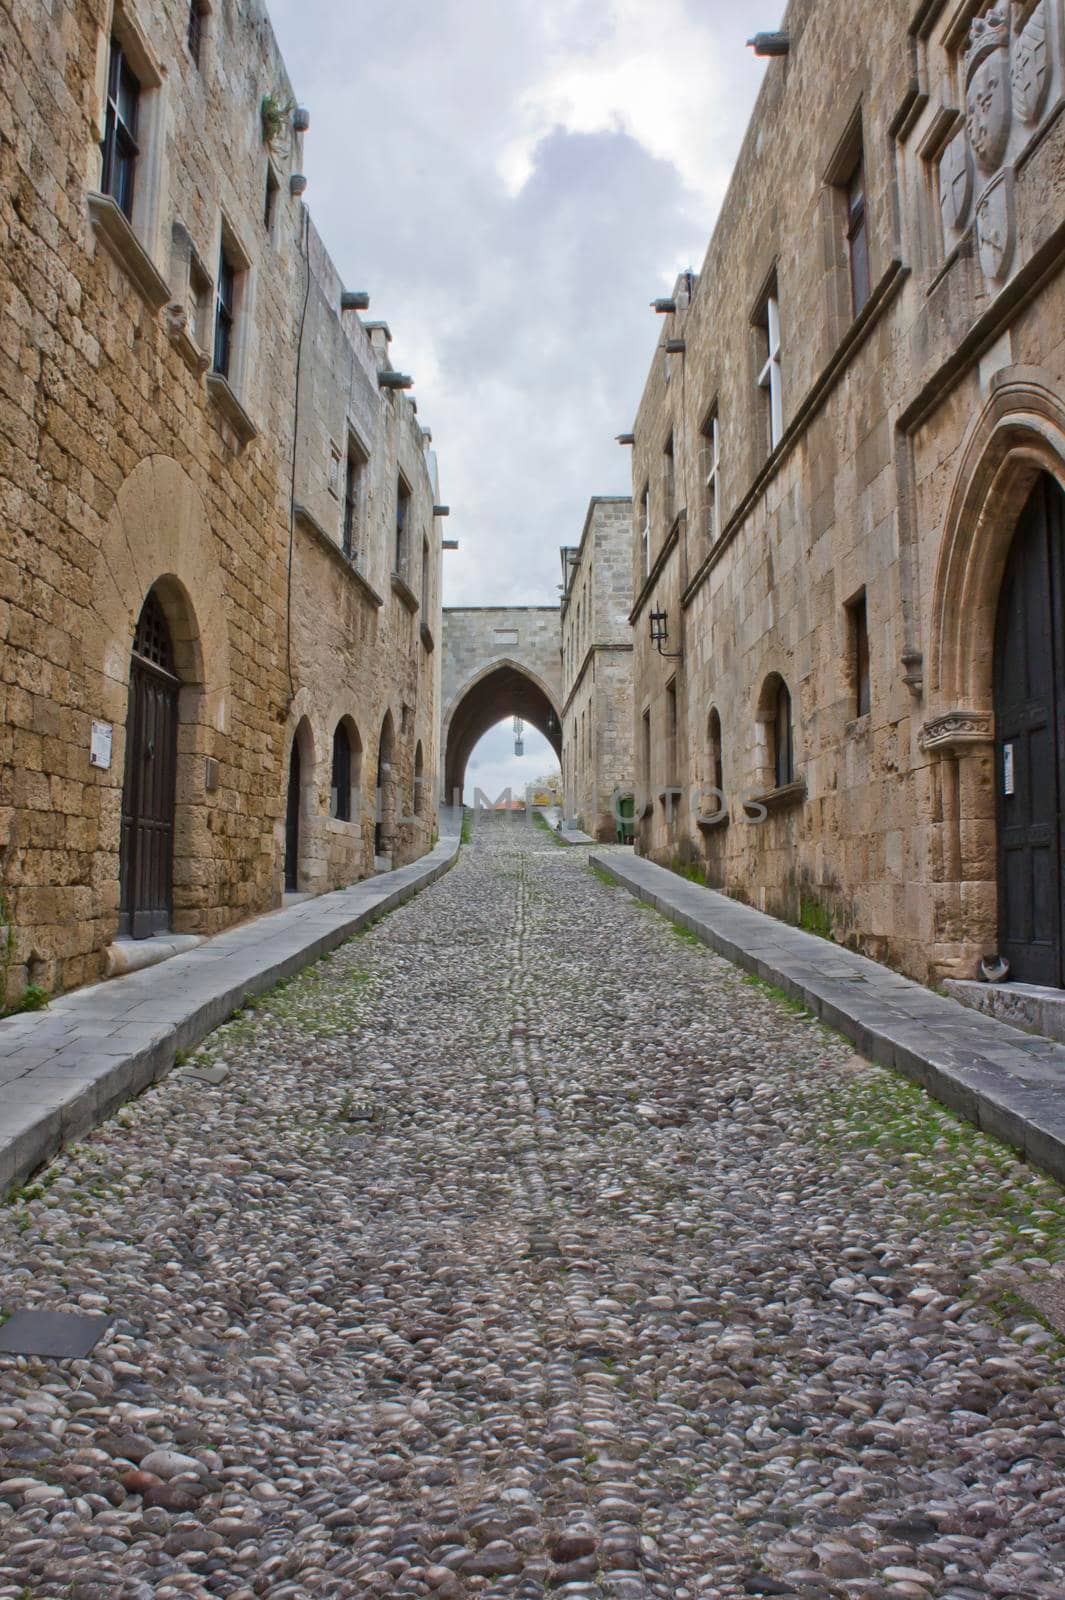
(671, 730)
(225, 313)
(669, 482)
(711, 467)
(340, 798)
(199, 301)
(402, 521)
(716, 768)
(419, 781)
(858, 237)
(353, 479)
(767, 321)
(646, 751)
(783, 738)
(861, 682)
(194, 37)
(120, 149)
(273, 188)
(645, 531)
(424, 596)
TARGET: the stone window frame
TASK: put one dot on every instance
(646, 758)
(231, 390)
(402, 525)
(858, 657)
(136, 241)
(669, 480)
(198, 33)
(710, 471)
(850, 156)
(643, 528)
(353, 504)
(768, 366)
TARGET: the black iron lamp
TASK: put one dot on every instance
(660, 633)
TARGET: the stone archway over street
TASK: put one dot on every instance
(498, 661)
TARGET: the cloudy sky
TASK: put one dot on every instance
(514, 181)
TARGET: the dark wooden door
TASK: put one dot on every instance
(149, 787)
(1029, 743)
(292, 823)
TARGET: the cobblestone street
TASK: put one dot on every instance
(526, 1247)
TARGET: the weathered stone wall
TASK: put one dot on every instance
(497, 661)
(123, 468)
(597, 667)
(911, 435)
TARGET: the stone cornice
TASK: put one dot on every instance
(306, 520)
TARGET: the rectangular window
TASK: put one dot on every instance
(199, 302)
(861, 678)
(669, 483)
(645, 531)
(711, 466)
(402, 525)
(424, 596)
(120, 149)
(671, 731)
(769, 377)
(225, 313)
(353, 479)
(858, 237)
(194, 37)
(646, 752)
(270, 200)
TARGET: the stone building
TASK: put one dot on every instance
(219, 568)
(597, 668)
(848, 479)
(498, 662)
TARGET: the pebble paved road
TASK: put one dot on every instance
(527, 1249)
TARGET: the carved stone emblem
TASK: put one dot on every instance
(995, 225)
(1030, 71)
(987, 77)
(955, 729)
(956, 183)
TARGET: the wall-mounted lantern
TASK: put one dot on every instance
(660, 634)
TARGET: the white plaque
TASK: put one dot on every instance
(103, 735)
(1008, 786)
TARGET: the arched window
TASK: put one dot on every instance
(783, 738)
(419, 780)
(713, 744)
(340, 798)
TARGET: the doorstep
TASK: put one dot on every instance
(1028, 1006)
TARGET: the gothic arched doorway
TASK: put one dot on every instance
(384, 830)
(149, 789)
(292, 820)
(1029, 694)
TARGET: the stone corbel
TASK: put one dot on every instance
(954, 731)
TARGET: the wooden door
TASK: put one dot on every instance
(149, 787)
(292, 822)
(1029, 747)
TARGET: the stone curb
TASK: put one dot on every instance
(65, 1070)
(1007, 1083)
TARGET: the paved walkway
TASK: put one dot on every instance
(523, 1248)
(64, 1070)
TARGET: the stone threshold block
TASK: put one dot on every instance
(1006, 1082)
(94, 1048)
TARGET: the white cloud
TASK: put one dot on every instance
(513, 184)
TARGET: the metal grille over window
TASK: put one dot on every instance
(151, 642)
(120, 148)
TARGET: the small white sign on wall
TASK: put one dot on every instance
(100, 744)
(1008, 784)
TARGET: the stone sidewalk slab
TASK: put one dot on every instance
(1008, 1083)
(66, 1069)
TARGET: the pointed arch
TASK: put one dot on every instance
(503, 688)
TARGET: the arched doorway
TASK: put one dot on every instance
(504, 690)
(385, 815)
(1029, 701)
(149, 789)
(292, 819)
